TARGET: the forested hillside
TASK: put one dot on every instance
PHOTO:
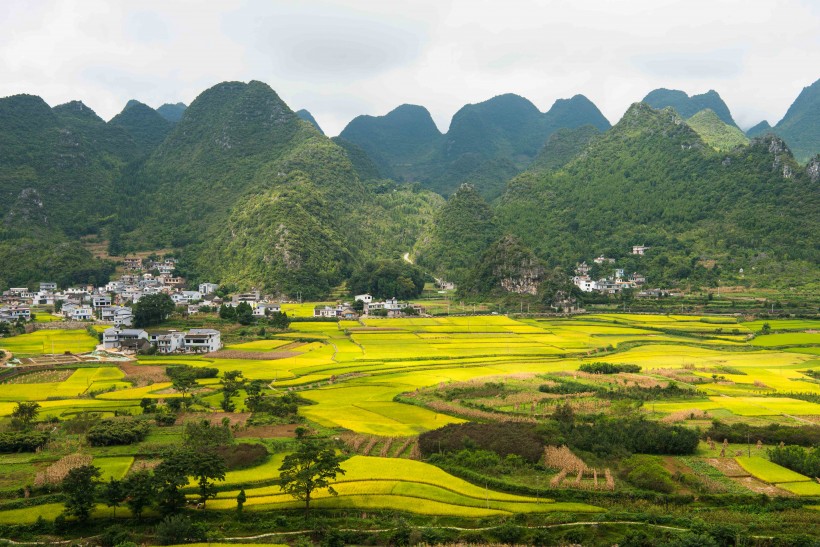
(257, 197)
(652, 180)
(58, 171)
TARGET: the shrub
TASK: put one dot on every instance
(22, 441)
(117, 432)
(608, 368)
(647, 473)
(197, 373)
(242, 455)
(179, 529)
(507, 438)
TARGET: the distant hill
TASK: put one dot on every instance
(652, 180)
(760, 129)
(688, 106)
(563, 146)
(397, 142)
(308, 117)
(58, 172)
(486, 144)
(143, 124)
(715, 132)
(172, 112)
(462, 230)
(257, 198)
(800, 127)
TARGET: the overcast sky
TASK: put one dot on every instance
(341, 58)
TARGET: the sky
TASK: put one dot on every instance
(342, 58)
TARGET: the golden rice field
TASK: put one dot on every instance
(49, 341)
(385, 483)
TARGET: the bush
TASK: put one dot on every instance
(22, 441)
(179, 529)
(608, 436)
(502, 438)
(117, 432)
(242, 455)
(647, 473)
(198, 373)
(608, 368)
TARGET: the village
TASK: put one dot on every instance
(619, 281)
(112, 304)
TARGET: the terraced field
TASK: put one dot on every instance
(353, 372)
(385, 483)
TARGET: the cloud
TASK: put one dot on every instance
(341, 58)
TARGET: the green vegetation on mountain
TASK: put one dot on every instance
(172, 112)
(486, 145)
(308, 117)
(563, 146)
(507, 266)
(382, 279)
(58, 170)
(362, 163)
(688, 106)
(397, 141)
(800, 127)
(463, 229)
(143, 124)
(760, 129)
(652, 180)
(716, 133)
(256, 197)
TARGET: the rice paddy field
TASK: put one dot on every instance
(359, 378)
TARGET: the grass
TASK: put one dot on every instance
(762, 469)
(787, 339)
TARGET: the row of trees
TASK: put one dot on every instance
(243, 314)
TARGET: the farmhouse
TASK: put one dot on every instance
(208, 288)
(263, 308)
(116, 338)
(48, 286)
(202, 341)
(100, 301)
(366, 298)
(75, 312)
(167, 341)
(15, 313)
(602, 259)
(133, 263)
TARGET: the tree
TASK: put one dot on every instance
(152, 309)
(244, 314)
(227, 313)
(114, 494)
(183, 381)
(79, 489)
(241, 498)
(140, 488)
(24, 414)
(232, 382)
(311, 467)
(171, 476)
(387, 279)
(206, 467)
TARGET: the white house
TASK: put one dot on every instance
(366, 298)
(116, 338)
(208, 288)
(167, 341)
(639, 249)
(202, 341)
(48, 286)
(266, 307)
(75, 312)
(584, 283)
(101, 301)
(15, 313)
